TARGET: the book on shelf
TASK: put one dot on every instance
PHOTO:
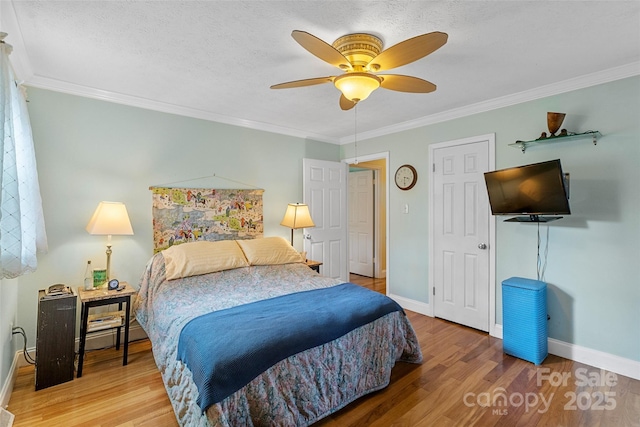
(104, 321)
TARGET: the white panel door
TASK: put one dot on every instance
(361, 222)
(325, 191)
(461, 234)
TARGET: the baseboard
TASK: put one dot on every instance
(413, 305)
(496, 331)
(7, 387)
(596, 358)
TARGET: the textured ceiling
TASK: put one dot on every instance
(216, 59)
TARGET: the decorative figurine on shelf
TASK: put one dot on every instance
(554, 121)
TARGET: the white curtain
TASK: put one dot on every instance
(22, 233)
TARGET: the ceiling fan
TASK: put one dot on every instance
(360, 55)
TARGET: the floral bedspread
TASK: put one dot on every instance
(296, 391)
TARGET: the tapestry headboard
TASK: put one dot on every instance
(183, 215)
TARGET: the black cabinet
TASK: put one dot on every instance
(55, 342)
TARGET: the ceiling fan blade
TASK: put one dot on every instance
(346, 104)
(406, 83)
(321, 49)
(408, 51)
(305, 82)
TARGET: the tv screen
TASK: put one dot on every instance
(535, 189)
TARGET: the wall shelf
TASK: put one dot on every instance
(522, 145)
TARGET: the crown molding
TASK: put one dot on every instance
(133, 101)
(23, 70)
(581, 82)
(588, 80)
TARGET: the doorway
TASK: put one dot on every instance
(376, 165)
(362, 231)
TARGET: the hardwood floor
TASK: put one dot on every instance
(378, 285)
(465, 379)
(108, 394)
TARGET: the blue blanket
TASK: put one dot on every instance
(226, 349)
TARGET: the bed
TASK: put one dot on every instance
(228, 281)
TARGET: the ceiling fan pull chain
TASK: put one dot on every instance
(355, 133)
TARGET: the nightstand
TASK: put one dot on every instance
(97, 298)
(314, 265)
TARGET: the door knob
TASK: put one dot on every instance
(482, 246)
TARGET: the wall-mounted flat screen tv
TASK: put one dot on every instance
(533, 190)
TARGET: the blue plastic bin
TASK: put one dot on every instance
(524, 319)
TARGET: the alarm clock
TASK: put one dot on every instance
(113, 284)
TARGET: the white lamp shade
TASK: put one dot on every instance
(357, 86)
(110, 218)
(297, 216)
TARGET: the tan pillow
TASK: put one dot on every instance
(269, 251)
(191, 259)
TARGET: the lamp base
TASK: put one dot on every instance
(108, 263)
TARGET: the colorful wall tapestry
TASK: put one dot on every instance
(183, 215)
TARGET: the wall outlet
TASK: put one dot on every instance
(10, 331)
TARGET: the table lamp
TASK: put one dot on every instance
(297, 216)
(110, 218)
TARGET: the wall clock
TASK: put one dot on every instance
(406, 177)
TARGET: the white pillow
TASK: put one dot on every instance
(269, 251)
(194, 258)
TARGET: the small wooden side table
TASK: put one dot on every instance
(100, 297)
(314, 265)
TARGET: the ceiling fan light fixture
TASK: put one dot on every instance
(357, 86)
(359, 56)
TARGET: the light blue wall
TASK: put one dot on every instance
(593, 268)
(89, 150)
